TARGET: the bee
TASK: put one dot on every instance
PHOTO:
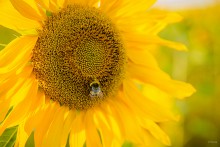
(95, 89)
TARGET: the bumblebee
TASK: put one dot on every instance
(95, 89)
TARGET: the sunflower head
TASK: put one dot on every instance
(78, 47)
(76, 71)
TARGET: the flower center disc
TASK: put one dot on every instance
(79, 58)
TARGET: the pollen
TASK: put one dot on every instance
(79, 59)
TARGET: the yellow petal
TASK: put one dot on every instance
(142, 57)
(105, 131)
(67, 127)
(161, 80)
(132, 130)
(92, 136)
(28, 9)
(53, 137)
(34, 119)
(107, 137)
(144, 40)
(117, 143)
(83, 2)
(22, 136)
(16, 54)
(7, 96)
(42, 128)
(5, 106)
(12, 19)
(171, 44)
(113, 118)
(15, 93)
(54, 5)
(38, 102)
(162, 23)
(131, 7)
(156, 20)
(165, 16)
(125, 8)
(77, 139)
(61, 3)
(110, 7)
(157, 96)
(7, 83)
(156, 131)
(143, 106)
(44, 4)
(19, 112)
(79, 121)
(18, 96)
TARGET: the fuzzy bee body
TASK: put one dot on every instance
(95, 89)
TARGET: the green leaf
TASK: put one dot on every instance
(7, 139)
(30, 141)
(6, 36)
(127, 144)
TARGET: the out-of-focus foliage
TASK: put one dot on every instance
(7, 139)
(200, 66)
(6, 35)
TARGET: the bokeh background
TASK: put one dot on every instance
(200, 66)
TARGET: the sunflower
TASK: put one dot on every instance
(75, 71)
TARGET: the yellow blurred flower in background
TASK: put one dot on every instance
(82, 70)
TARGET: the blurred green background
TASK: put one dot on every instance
(200, 32)
(200, 66)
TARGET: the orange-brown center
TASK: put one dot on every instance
(79, 58)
